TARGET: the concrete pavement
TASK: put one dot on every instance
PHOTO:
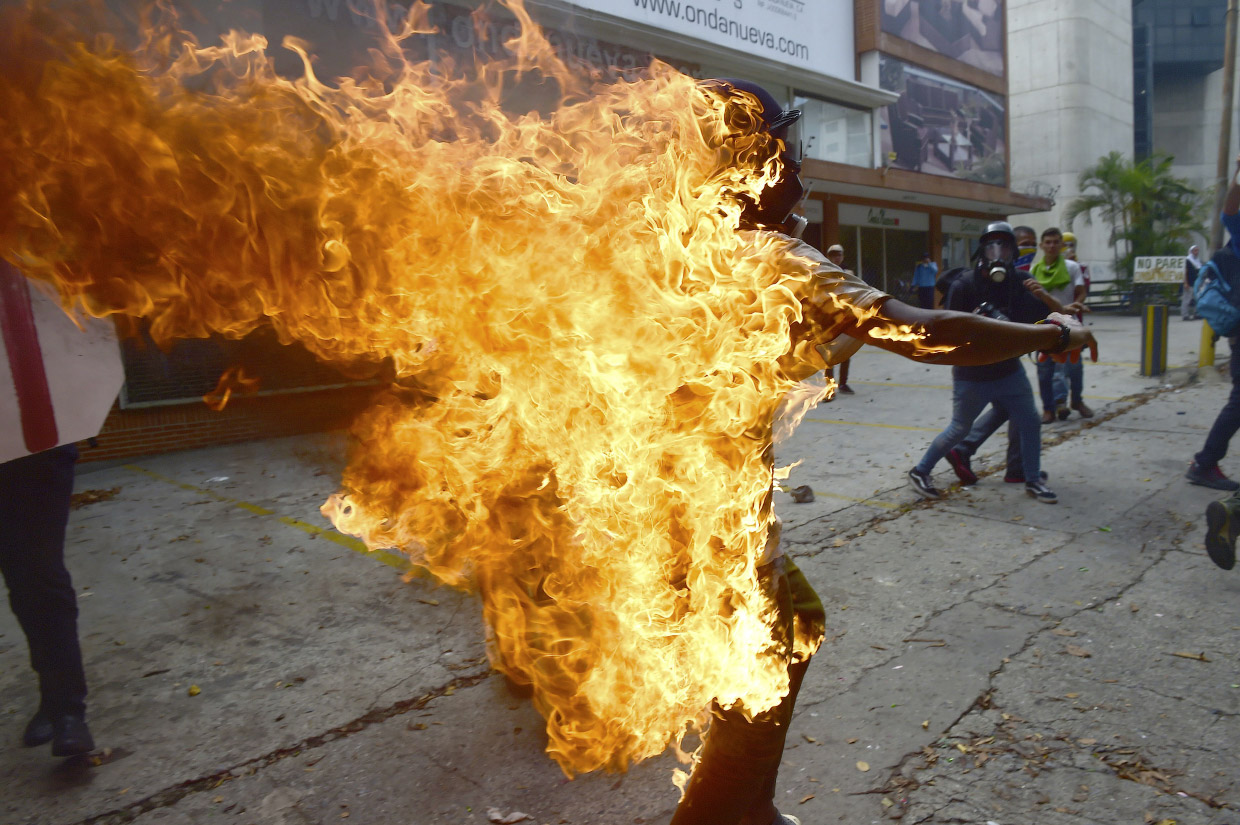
(990, 658)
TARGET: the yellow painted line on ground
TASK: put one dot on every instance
(390, 559)
(948, 387)
(874, 424)
(869, 502)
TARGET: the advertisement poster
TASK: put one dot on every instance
(941, 126)
(970, 31)
(806, 34)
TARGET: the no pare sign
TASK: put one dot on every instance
(57, 380)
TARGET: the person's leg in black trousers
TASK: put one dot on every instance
(734, 781)
(1205, 470)
(35, 492)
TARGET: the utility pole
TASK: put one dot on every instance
(1224, 136)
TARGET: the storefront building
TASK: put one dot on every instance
(906, 138)
(905, 108)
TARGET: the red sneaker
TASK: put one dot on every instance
(960, 464)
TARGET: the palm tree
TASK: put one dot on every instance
(1150, 211)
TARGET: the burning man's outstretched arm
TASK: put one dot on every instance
(972, 339)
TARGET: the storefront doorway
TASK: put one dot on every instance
(884, 245)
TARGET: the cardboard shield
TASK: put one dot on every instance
(57, 380)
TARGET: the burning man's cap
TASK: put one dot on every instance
(777, 119)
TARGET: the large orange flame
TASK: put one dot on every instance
(586, 350)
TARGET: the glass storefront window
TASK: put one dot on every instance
(885, 258)
(837, 133)
(957, 251)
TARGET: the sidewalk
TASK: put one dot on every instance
(990, 659)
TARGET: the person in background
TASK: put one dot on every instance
(835, 254)
(1063, 280)
(994, 289)
(1188, 303)
(35, 492)
(1027, 246)
(1069, 252)
(1204, 469)
(924, 275)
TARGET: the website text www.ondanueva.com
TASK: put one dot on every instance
(711, 19)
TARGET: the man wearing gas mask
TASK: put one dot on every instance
(994, 289)
(734, 780)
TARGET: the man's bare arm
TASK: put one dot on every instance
(940, 336)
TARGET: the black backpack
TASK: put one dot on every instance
(945, 281)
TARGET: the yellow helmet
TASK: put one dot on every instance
(1069, 245)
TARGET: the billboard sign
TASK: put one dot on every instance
(942, 126)
(971, 32)
(57, 380)
(803, 34)
(1159, 269)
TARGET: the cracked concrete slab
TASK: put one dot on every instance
(342, 689)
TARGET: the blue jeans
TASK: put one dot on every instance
(983, 428)
(1227, 422)
(1055, 379)
(1012, 395)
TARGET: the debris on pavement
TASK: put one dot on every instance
(92, 496)
(802, 495)
(500, 818)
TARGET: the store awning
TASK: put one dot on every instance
(915, 188)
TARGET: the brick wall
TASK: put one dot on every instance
(149, 430)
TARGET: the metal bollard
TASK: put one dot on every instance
(1206, 358)
(1154, 340)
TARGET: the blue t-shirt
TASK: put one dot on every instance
(924, 274)
(1232, 223)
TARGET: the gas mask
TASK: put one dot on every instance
(996, 253)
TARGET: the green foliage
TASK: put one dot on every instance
(1150, 211)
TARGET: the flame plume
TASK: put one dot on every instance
(585, 347)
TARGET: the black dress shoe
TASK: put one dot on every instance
(71, 736)
(38, 730)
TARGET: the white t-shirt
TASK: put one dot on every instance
(1064, 294)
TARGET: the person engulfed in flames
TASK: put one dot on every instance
(587, 314)
(734, 780)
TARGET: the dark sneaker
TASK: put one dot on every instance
(923, 485)
(1212, 477)
(1083, 409)
(1048, 416)
(1221, 529)
(70, 736)
(1062, 412)
(960, 464)
(1019, 478)
(38, 730)
(1041, 492)
(847, 390)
